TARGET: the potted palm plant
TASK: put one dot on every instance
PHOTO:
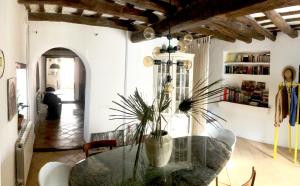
(148, 118)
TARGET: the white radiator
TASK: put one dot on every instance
(24, 151)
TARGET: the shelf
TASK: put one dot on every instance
(250, 52)
(256, 75)
(228, 102)
(247, 63)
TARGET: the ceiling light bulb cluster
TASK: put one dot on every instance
(187, 39)
(181, 46)
(148, 61)
(187, 64)
(168, 88)
(149, 33)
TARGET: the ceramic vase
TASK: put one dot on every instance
(159, 150)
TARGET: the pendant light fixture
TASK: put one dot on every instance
(149, 33)
(54, 66)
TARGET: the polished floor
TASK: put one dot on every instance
(280, 172)
(66, 95)
(270, 172)
(63, 134)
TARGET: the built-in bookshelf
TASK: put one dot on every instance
(246, 78)
(252, 63)
(257, 96)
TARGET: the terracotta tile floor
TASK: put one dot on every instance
(66, 133)
(70, 157)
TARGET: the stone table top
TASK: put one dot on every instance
(195, 160)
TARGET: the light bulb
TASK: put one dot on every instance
(182, 46)
(149, 33)
(187, 39)
(148, 61)
(168, 88)
(156, 51)
(187, 64)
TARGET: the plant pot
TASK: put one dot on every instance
(159, 150)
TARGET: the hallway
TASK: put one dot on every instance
(63, 134)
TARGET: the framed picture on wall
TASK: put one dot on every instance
(2, 63)
(11, 98)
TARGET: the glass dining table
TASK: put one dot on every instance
(195, 160)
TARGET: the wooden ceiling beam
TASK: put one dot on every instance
(229, 32)
(159, 6)
(275, 29)
(263, 6)
(178, 3)
(59, 9)
(28, 8)
(250, 21)
(79, 12)
(263, 18)
(281, 23)
(97, 6)
(286, 20)
(41, 8)
(200, 11)
(215, 33)
(239, 28)
(77, 19)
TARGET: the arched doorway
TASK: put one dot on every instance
(61, 74)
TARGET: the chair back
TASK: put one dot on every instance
(54, 174)
(251, 181)
(97, 144)
(227, 137)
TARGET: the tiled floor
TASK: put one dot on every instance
(66, 133)
(280, 172)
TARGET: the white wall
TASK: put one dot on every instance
(251, 122)
(102, 55)
(42, 73)
(103, 52)
(76, 78)
(13, 43)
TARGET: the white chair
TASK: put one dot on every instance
(224, 135)
(229, 138)
(221, 134)
(54, 174)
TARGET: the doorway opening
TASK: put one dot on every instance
(22, 102)
(63, 77)
(60, 101)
